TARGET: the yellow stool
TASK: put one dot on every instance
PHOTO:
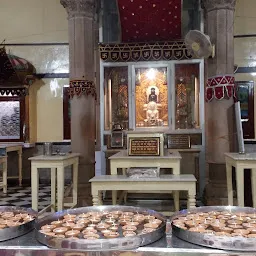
(3, 183)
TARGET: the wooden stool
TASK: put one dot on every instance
(3, 184)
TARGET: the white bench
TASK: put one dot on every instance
(163, 183)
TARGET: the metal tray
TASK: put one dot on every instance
(218, 242)
(120, 243)
(12, 232)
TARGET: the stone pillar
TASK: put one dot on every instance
(82, 89)
(219, 96)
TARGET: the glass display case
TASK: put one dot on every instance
(187, 91)
(149, 95)
(116, 97)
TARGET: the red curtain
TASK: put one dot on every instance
(150, 20)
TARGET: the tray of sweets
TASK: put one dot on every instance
(100, 228)
(221, 227)
(15, 221)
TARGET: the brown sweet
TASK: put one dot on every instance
(129, 228)
(106, 231)
(151, 225)
(134, 223)
(232, 222)
(69, 216)
(235, 226)
(95, 220)
(72, 233)
(68, 225)
(197, 229)
(102, 226)
(242, 231)
(226, 229)
(51, 227)
(236, 234)
(128, 214)
(156, 221)
(60, 230)
(57, 223)
(82, 221)
(83, 215)
(110, 221)
(251, 236)
(129, 233)
(147, 230)
(190, 223)
(86, 230)
(216, 226)
(112, 235)
(114, 227)
(222, 234)
(91, 236)
(252, 230)
(78, 227)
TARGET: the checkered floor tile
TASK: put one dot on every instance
(21, 196)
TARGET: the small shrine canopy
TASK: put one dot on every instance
(16, 74)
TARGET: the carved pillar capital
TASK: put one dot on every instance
(79, 8)
(210, 5)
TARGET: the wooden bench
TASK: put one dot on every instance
(163, 183)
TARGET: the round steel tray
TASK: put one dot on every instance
(12, 232)
(218, 242)
(120, 243)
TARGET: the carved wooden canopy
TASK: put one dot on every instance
(16, 74)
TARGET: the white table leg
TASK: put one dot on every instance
(240, 185)
(95, 194)
(53, 189)
(100, 202)
(253, 181)
(5, 176)
(176, 198)
(34, 187)
(20, 167)
(229, 183)
(75, 181)
(114, 197)
(113, 171)
(192, 196)
(60, 188)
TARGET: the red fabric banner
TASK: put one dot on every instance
(150, 20)
(220, 86)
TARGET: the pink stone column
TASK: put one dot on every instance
(82, 89)
(218, 113)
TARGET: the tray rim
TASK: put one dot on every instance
(192, 237)
(137, 241)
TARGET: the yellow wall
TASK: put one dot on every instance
(245, 48)
(39, 21)
(46, 110)
(33, 21)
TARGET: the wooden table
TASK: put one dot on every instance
(168, 160)
(12, 147)
(240, 162)
(162, 183)
(55, 163)
(3, 161)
